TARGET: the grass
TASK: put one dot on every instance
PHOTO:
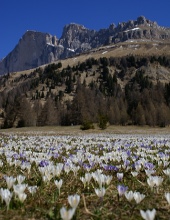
(73, 130)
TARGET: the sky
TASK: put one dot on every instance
(50, 16)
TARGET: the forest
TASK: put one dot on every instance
(116, 89)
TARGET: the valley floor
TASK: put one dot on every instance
(75, 130)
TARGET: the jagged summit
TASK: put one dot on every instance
(73, 25)
(76, 37)
(36, 48)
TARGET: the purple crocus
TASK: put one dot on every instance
(149, 166)
(16, 156)
(126, 163)
(110, 167)
(121, 189)
(43, 163)
(128, 153)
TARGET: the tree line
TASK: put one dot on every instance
(38, 99)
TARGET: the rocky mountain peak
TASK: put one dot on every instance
(74, 35)
(35, 36)
(143, 21)
(36, 48)
(112, 27)
(73, 27)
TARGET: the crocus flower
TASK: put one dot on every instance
(22, 196)
(43, 163)
(74, 200)
(148, 215)
(10, 180)
(88, 177)
(167, 196)
(149, 166)
(120, 176)
(19, 188)
(45, 179)
(121, 189)
(6, 195)
(138, 197)
(83, 181)
(149, 172)
(134, 173)
(100, 192)
(58, 184)
(66, 214)
(20, 179)
(58, 169)
(151, 182)
(32, 189)
(129, 196)
(108, 179)
(1, 163)
(167, 172)
(48, 175)
(157, 180)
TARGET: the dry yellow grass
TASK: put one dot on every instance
(75, 130)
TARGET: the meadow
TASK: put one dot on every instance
(69, 174)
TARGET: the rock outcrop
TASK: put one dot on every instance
(36, 48)
(33, 49)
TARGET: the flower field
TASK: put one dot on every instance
(92, 176)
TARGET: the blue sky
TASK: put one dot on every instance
(50, 16)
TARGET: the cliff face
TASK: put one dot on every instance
(33, 49)
(36, 48)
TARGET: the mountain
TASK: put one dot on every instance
(36, 48)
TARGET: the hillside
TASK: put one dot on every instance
(127, 83)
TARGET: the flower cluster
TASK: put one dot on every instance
(122, 170)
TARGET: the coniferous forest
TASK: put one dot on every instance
(122, 91)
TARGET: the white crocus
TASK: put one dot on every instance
(108, 179)
(129, 196)
(20, 179)
(6, 196)
(1, 163)
(100, 192)
(138, 167)
(67, 168)
(158, 180)
(149, 172)
(32, 189)
(88, 177)
(58, 184)
(19, 188)
(83, 181)
(74, 200)
(10, 180)
(138, 197)
(151, 182)
(22, 196)
(134, 174)
(58, 169)
(167, 172)
(45, 179)
(66, 214)
(167, 196)
(48, 175)
(75, 169)
(148, 215)
(120, 176)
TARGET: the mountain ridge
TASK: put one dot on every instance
(37, 48)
